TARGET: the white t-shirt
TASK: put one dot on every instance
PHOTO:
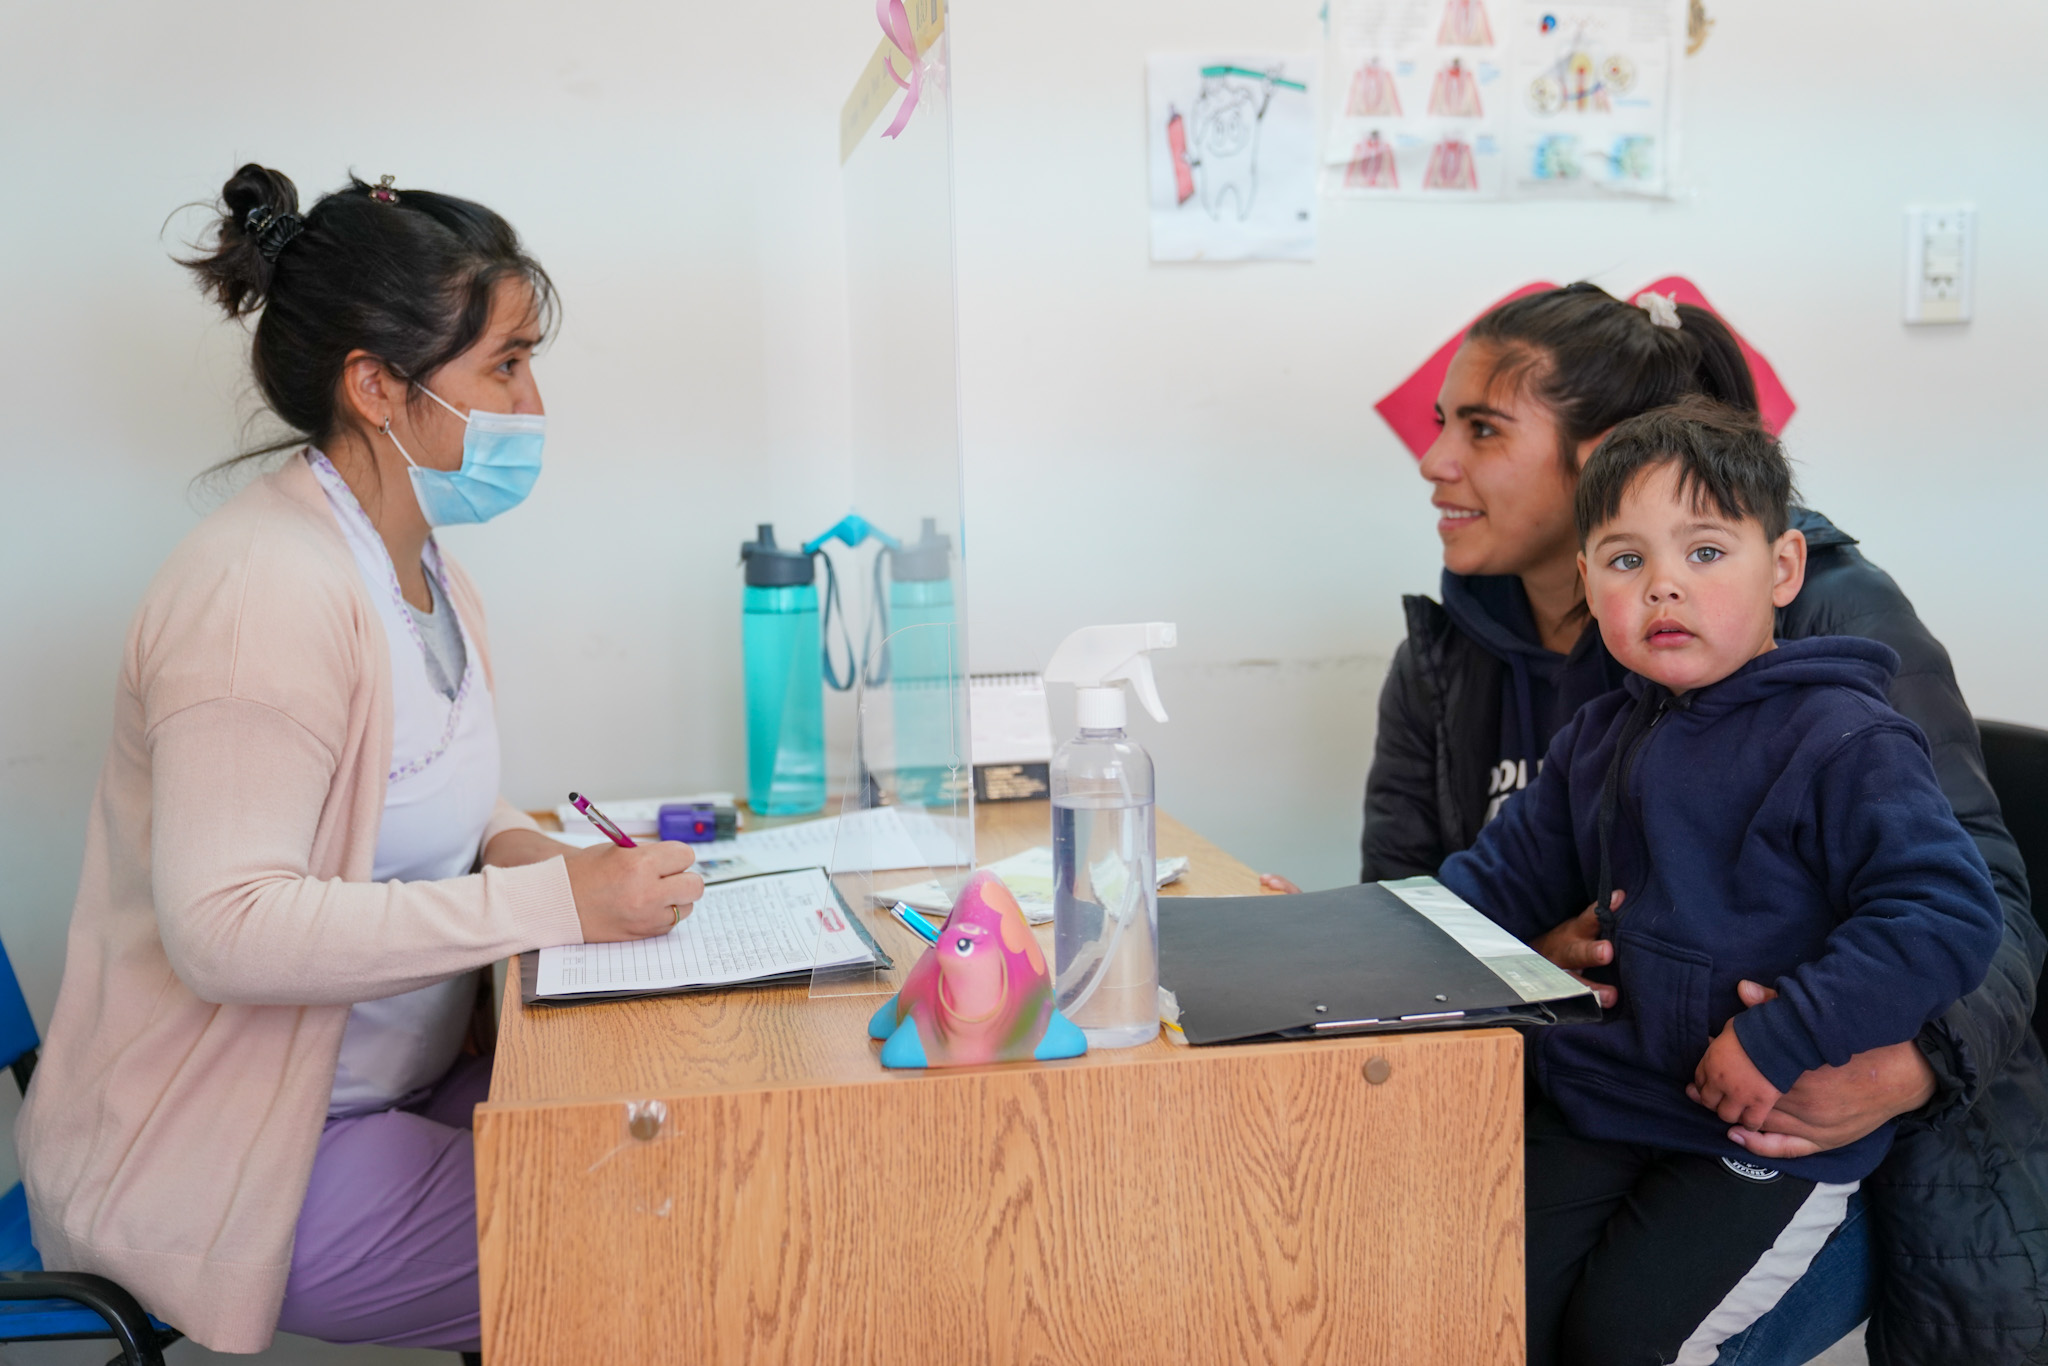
(442, 787)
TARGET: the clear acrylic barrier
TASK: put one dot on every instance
(908, 799)
(906, 818)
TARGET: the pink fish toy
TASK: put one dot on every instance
(981, 994)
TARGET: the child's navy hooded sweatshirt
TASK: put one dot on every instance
(1783, 825)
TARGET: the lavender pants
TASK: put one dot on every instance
(386, 1245)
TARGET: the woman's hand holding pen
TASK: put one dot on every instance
(632, 893)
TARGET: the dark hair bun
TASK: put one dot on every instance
(231, 267)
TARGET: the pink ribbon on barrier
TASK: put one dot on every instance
(896, 28)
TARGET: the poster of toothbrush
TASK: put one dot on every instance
(1232, 156)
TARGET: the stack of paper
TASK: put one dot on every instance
(1028, 876)
(858, 842)
(750, 931)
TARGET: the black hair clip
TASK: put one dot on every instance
(272, 230)
(382, 191)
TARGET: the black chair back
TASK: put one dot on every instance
(2016, 757)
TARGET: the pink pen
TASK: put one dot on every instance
(601, 821)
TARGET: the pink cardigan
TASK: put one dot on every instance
(226, 921)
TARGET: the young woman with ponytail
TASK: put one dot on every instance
(253, 1103)
(1956, 1266)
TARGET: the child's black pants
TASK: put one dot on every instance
(1640, 1255)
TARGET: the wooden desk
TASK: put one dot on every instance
(799, 1204)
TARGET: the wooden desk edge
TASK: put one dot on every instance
(1178, 1056)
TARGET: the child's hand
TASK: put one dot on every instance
(1727, 1083)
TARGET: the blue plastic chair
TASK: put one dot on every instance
(44, 1306)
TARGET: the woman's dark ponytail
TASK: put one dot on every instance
(1596, 361)
(405, 275)
(1720, 370)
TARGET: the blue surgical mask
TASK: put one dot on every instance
(500, 461)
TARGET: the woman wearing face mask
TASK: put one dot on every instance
(253, 1105)
(1485, 680)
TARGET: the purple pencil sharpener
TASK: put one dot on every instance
(691, 822)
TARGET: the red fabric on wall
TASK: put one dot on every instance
(1410, 409)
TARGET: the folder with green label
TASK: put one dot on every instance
(1380, 956)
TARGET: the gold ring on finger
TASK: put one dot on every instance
(676, 914)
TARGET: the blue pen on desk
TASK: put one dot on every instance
(601, 821)
(915, 923)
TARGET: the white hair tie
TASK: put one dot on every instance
(1662, 308)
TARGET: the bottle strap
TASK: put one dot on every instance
(874, 646)
(833, 679)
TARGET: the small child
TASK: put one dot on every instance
(1764, 815)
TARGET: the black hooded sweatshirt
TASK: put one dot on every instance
(1961, 1204)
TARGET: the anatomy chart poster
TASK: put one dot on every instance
(1479, 99)
(1597, 96)
(1233, 157)
(1419, 100)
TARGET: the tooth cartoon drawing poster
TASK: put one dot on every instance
(1233, 157)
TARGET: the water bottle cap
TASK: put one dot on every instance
(770, 566)
(931, 558)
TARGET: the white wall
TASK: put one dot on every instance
(1192, 442)
(1197, 441)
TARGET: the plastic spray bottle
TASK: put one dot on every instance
(1105, 893)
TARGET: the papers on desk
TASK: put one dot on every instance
(1028, 876)
(751, 931)
(858, 842)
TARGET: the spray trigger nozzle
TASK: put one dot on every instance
(1098, 660)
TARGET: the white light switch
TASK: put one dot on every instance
(1941, 263)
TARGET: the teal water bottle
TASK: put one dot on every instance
(785, 680)
(925, 669)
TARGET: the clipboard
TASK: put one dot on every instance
(529, 968)
(1377, 957)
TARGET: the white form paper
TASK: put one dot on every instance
(1028, 876)
(1534, 977)
(740, 932)
(941, 841)
(859, 842)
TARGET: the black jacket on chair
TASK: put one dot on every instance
(1960, 1207)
